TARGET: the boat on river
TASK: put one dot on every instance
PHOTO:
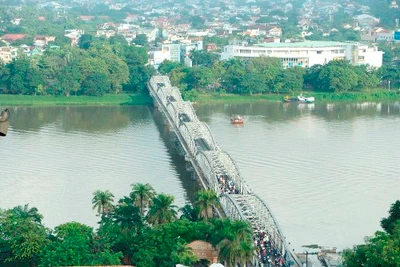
(300, 98)
(237, 119)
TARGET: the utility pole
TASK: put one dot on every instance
(306, 258)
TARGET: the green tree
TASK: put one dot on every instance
(200, 77)
(141, 39)
(206, 200)
(85, 41)
(184, 255)
(190, 213)
(127, 215)
(338, 76)
(203, 58)
(143, 193)
(70, 246)
(168, 66)
(289, 80)
(22, 235)
(162, 210)
(103, 202)
(389, 223)
(96, 84)
(197, 22)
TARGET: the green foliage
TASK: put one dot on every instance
(162, 210)
(97, 68)
(85, 41)
(382, 249)
(140, 39)
(22, 235)
(203, 58)
(389, 223)
(73, 244)
(206, 200)
(103, 202)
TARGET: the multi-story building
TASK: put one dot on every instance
(7, 53)
(309, 53)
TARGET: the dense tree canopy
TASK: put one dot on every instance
(267, 75)
(97, 68)
(380, 250)
(141, 229)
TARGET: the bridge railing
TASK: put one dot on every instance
(215, 164)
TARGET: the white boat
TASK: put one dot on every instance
(307, 99)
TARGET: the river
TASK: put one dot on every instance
(328, 171)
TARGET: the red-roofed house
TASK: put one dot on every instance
(11, 37)
(86, 18)
(41, 18)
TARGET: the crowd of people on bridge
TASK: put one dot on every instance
(268, 254)
(226, 185)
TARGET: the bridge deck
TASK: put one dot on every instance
(217, 170)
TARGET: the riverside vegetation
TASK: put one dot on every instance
(142, 229)
(100, 67)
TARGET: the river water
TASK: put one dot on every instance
(329, 172)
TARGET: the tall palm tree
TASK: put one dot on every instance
(103, 202)
(190, 213)
(229, 252)
(162, 210)
(205, 200)
(25, 212)
(241, 230)
(143, 193)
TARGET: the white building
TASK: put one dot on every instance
(309, 53)
(186, 48)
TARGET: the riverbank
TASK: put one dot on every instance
(319, 97)
(199, 98)
(106, 100)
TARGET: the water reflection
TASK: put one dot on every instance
(82, 119)
(328, 171)
(57, 157)
(279, 111)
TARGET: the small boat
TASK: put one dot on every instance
(237, 119)
(306, 99)
(300, 98)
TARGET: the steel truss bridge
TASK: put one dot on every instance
(210, 162)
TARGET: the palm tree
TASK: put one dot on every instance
(162, 210)
(190, 213)
(102, 201)
(241, 230)
(127, 215)
(143, 194)
(25, 212)
(184, 254)
(229, 252)
(247, 252)
(205, 200)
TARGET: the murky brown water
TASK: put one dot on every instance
(329, 172)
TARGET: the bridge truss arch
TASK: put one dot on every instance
(212, 164)
(217, 164)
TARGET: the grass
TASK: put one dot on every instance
(375, 95)
(201, 98)
(106, 100)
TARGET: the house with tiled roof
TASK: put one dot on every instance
(12, 37)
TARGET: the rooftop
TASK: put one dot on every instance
(305, 44)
